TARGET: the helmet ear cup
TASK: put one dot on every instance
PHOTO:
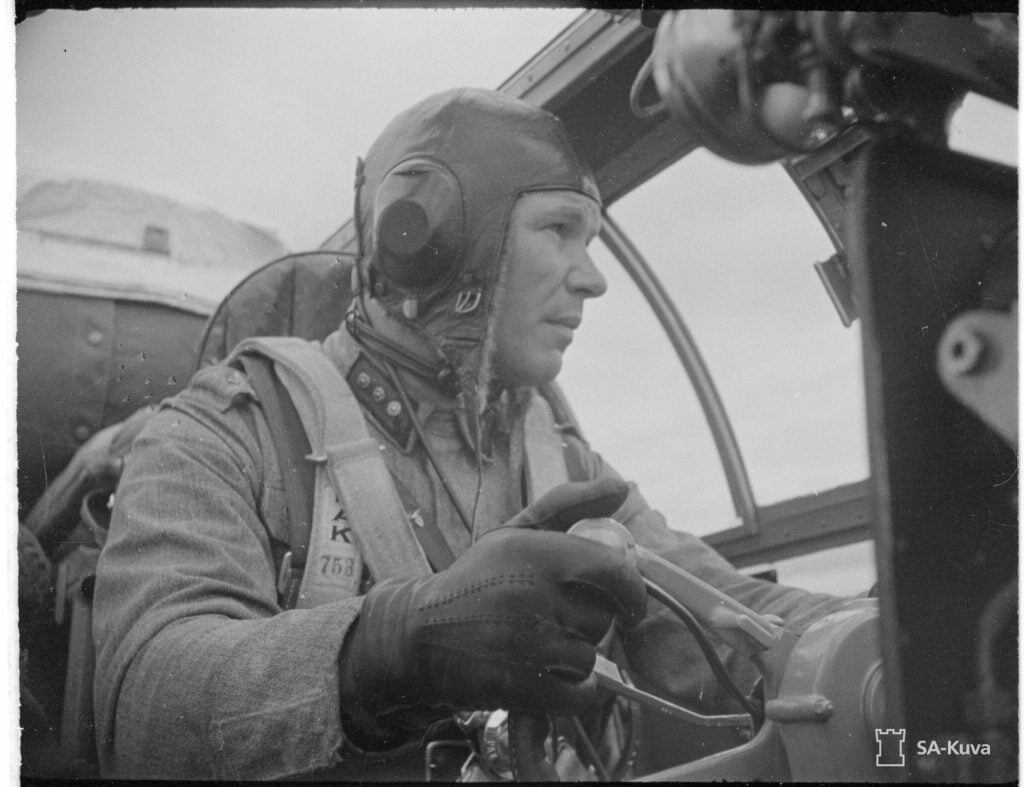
(418, 224)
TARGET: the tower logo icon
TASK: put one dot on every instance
(890, 748)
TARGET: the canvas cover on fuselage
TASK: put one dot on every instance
(114, 287)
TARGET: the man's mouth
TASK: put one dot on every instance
(570, 321)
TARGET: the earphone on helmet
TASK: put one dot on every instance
(419, 224)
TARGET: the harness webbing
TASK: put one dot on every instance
(545, 450)
(349, 465)
(299, 476)
(344, 489)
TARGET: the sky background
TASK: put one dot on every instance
(260, 114)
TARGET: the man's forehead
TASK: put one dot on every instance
(536, 203)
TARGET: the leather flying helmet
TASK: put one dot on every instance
(438, 189)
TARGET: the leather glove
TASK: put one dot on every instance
(567, 504)
(512, 623)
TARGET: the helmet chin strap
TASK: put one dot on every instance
(438, 373)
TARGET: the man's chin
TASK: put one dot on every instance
(535, 372)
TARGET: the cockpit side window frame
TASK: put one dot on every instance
(668, 315)
(797, 526)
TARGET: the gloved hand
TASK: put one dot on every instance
(567, 504)
(513, 623)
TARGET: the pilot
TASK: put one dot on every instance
(474, 214)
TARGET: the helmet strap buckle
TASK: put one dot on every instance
(467, 301)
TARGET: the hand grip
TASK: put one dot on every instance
(739, 626)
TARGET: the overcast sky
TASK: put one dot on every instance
(257, 113)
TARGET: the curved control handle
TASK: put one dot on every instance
(741, 627)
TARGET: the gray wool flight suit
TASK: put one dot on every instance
(199, 672)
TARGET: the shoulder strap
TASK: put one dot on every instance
(564, 421)
(351, 471)
(545, 451)
(292, 446)
(439, 554)
(574, 466)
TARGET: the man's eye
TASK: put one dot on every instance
(559, 228)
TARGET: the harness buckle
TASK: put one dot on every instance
(289, 579)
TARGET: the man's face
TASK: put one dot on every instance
(549, 276)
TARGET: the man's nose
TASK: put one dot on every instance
(585, 279)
